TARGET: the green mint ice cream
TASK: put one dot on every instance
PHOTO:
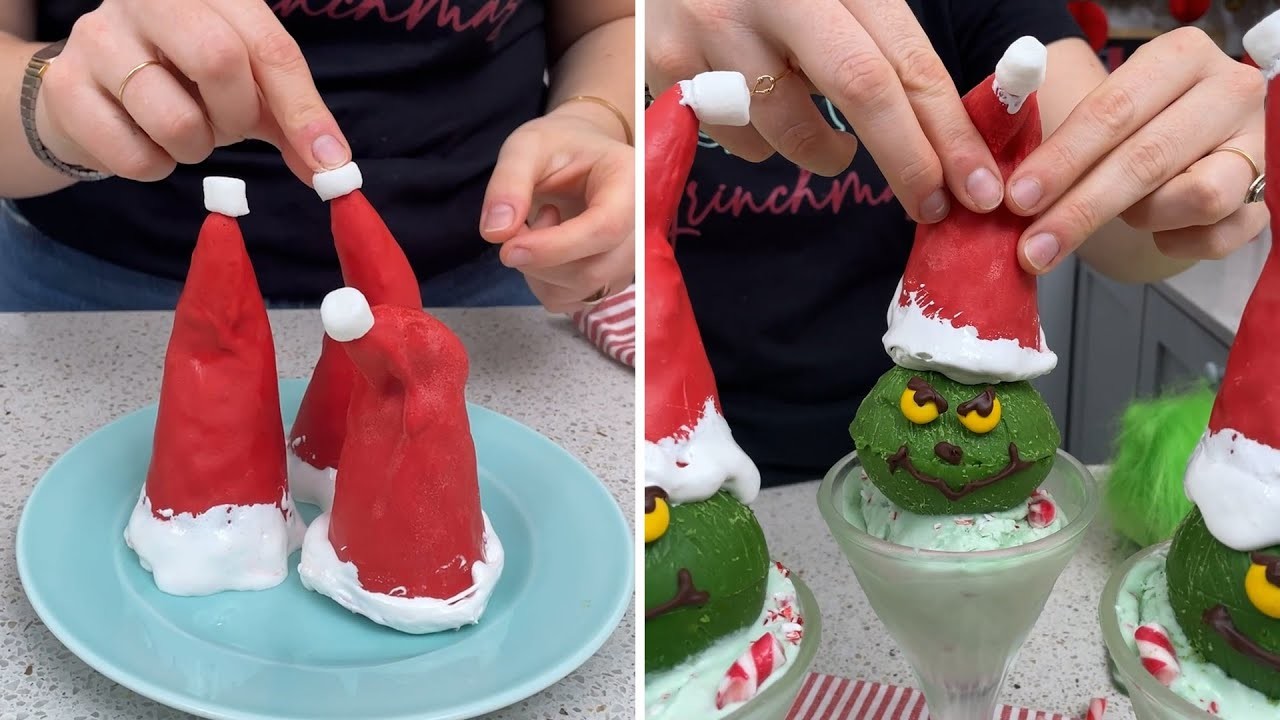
(953, 533)
(1144, 599)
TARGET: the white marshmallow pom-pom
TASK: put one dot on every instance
(1021, 71)
(346, 314)
(335, 183)
(225, 196)
(720, 97)
(1262, 42)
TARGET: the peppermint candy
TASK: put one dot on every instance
(1041, 511)
(744, 677)
(1157, 653)
(1097, 708)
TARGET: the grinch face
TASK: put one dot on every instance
(706, 568)
(934, 446)
(1228, 603)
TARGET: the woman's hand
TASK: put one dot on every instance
(869, 57)
(228, 71)
(1146, 146)
(562, 203)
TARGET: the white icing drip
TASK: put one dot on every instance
(719, 97)
(700, 461)
(1235, 481)
(309, 484)
(921, 342)
(323, 572)
(227, 547)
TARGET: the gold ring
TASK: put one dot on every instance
(766, 83)
(1237, 151)
(125, 83)
(597, 297)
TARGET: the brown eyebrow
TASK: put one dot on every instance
(1271, 563)
(984, 403)
(924, 393)
(651, 495)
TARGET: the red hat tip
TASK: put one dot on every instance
(330, 184)
(346, 314)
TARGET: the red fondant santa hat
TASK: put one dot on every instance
(1092, 19)
(965, 307)
(1234, 474)
(689, 450)
(373, 262)
(215, 513)
(1188, 11)
(406, 543)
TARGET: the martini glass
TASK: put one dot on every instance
(1150, 699)
(959, 617)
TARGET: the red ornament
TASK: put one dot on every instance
(1092, 19)
(1188, 11)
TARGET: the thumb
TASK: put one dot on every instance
(521, 164)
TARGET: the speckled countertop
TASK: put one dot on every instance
(62, 376)
(1062, 666)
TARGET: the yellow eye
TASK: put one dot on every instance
(918, 414)
(1263, 593)
(981, 415)
(657, 514)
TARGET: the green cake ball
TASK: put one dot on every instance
(1228, 603)
(934, 446)
(705, 576)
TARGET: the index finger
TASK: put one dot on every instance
(610, 215)
(286, 84)
(843, 62)
(970, 170)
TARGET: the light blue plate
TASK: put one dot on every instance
(290, 653)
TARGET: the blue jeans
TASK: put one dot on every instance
(40, 274)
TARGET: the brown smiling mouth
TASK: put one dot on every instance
(686, 595)
(1218, 618)
(902, 460)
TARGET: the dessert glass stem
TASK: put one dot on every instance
(960, 618)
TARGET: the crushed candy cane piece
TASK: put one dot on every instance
(744, 677)
(1157, 653)
(1041, 511)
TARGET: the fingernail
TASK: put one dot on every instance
(1026, 193)
(329, 152)
(984, 189)
(518, 257)
(499, 217)
(935, 207)
(1041, 250)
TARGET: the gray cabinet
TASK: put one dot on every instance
(1178, 349)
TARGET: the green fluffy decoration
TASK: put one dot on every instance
(1144, 493)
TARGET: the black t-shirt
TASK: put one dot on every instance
(425, 91)
(790, 274)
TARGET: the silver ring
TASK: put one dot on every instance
(1257, 189)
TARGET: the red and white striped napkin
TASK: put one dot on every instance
(611, 326)
(826, 697)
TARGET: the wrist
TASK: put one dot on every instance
(602, 114)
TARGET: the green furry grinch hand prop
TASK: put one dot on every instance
(1224, 564)
(955, 428)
